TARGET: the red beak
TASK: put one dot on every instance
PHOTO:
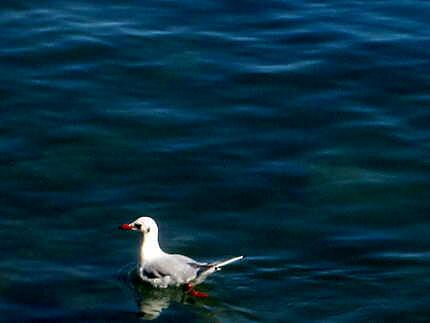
(125, 227)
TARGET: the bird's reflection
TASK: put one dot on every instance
(152, 302)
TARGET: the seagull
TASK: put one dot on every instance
(161, 269)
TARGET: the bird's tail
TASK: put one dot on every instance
(206, 270)
(217, 265)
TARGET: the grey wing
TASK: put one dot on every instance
(179, 268)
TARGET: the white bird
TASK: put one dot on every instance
(161, 269)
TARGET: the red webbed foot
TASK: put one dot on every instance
(189, 289)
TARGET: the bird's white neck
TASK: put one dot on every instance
(149, 248)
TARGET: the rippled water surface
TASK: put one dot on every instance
(293, 132)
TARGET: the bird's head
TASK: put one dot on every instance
(145, 225)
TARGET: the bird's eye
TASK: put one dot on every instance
(138, 226)
(147, 230)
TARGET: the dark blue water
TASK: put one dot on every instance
(294, 132)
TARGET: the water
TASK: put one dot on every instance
(295, 133)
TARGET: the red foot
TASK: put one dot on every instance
(195, 293)
(189, 289)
